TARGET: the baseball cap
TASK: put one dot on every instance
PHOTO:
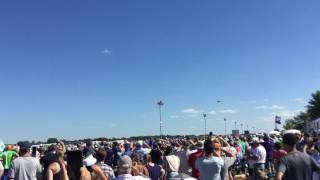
(125, 162)
(89, 161)
(255, 140)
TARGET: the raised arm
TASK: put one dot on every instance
(97, 170)
(53, 169)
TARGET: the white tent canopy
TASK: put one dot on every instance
(292, 131)
(277, 133)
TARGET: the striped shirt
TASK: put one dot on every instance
(107, 170)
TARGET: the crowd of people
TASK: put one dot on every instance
(290, 157)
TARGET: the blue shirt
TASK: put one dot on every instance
(127, 153)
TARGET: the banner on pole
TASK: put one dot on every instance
(278, 120)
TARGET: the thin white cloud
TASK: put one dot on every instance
(174, 116)
(190, 111)
(300, 100)
(287, 113)
(273, 107)
(106, 51)
(228, 111)
(212, 112)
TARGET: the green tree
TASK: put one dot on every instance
(297, 122)
(289, 124)
(301, 120)
(313, 108)
(52, 140)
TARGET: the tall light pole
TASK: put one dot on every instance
(225, 126)
(160, 103)
(205, 124)
(241, 128)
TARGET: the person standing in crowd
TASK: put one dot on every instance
(49, 158)
(106, 169)
(127, 150)
(57, 170)
(75, 167)
(109, 155)
(258, 155)
(312, 149)
(210, 165)
(95, 170)
(25, 166)
(228, 157)
(116, 153)
(193, 157)
(244, 149)
(296, 165)
(7, 157)
(156, 172)
(182, 154)
(137, 168)
(141, 150)
(124, 170)
(278, 154)
(156, 154)
(301, 141)
(243, 145)
(171, 164)
(89, 149)
(268, 145)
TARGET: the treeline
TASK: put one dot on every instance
(312, 113)
(133, 138)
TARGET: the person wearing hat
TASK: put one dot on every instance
(7, 157)
(124, 170)
(95, 170)
(193, 157)
(258, 156)
(25, 166)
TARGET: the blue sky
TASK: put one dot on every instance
(75, 69)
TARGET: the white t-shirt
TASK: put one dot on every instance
(25, 168)
(130, 177)
(259, 152)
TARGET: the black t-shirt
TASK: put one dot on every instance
(156, 156)
(297, 166)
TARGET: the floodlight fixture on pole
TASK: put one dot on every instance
(160, 103)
